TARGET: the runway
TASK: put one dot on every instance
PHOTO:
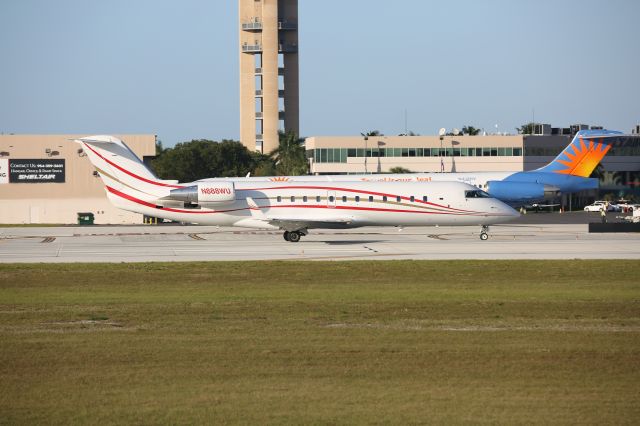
(204, 243)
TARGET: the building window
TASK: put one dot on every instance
(517, 152)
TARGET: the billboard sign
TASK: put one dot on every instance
(36, 171)
(4, 170)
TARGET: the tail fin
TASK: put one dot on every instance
(122, 172)
(584, 153)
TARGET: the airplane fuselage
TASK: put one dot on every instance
(331, 205)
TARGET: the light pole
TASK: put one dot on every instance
(366, 139)
(442, 132)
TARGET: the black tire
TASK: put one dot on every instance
(286, 235)
(484, 236)
(294, 236)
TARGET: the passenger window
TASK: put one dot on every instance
(331, 198)
(317, 198)
(304, 199)
(293, 199)
(384, 198)
(424, 198)
(398, 199)
(371, 198)
(344, 199)
(412, 198)
(357, 198)
(279, 199)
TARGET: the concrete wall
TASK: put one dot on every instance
(59, 203)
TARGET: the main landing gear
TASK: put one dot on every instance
(484, 236)
(293, 236)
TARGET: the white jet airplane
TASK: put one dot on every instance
(294, 207)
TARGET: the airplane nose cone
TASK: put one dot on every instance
(505, 210)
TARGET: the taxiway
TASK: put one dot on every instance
(203, 243)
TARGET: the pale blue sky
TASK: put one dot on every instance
(170, 67)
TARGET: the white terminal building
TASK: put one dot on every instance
(463, 153)
(47, 179)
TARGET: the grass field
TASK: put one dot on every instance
(345, 342)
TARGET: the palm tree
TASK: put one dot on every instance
(470, 130)
(526, 129)
(372, 133)
(290, 155)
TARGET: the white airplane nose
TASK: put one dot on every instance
(504, 210)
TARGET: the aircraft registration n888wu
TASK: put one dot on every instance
(294, 207)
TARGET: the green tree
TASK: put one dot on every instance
(159, 148)
(470, 130)
(200, 159)
(526, 129)
(372, 133)
(399, 170)
(263, 165)
(290, 157)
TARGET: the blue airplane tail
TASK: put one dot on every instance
(584, 153)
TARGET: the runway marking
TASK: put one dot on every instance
(437, 237)
(48, 240)
(196, 237)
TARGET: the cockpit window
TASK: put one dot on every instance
(478, 193)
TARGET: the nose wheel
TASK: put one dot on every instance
(484, 236)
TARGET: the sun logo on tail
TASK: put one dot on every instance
(581, 158)
(279, 179)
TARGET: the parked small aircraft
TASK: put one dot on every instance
(292, 207)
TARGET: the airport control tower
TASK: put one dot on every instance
(268, 71)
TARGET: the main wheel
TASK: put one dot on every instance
(286, 235)
(484, 236)
(294, 236)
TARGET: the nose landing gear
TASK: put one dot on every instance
(484, 236)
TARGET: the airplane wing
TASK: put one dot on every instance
(296, 224)
(292, 224)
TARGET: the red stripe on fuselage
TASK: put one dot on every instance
(153, 182)
(324, 206)
(331, 188)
